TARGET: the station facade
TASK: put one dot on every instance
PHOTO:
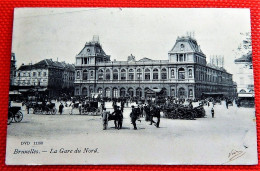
(185, 74)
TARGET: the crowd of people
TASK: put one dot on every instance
(147, 108)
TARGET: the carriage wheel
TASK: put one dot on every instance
(10, 117)
(18, 117)
(44, 112)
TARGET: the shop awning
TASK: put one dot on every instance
(245, 95)
(14, 92)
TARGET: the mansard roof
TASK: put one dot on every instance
(92, 49)
(186, 44)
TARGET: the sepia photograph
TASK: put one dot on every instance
(131, 86)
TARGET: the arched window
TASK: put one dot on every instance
(139, 92)
(131, 74)
(147, 74)
(181, 59)
(107, 92)
(115, 93)
(181, 74)
(123, 74)
(100, 74)
(172, 73)
(115, 74)
(173, 92)
(122, 92)
(139, 74)
(108, 74)
(164, 74)
(100, 91)
(85, 91)
(190, 93)
(190, 73)
(91, 74)
(77, 91)
(182, 93)
(155, 74)
(182, 47)
(131, 92)
(85, 75)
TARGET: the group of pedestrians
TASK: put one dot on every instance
(147, 111)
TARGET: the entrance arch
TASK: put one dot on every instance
(131, 92)
(107, 92)
(84, 91)
(139, 92)
(115, 93)
(182, 93)
(122, 92)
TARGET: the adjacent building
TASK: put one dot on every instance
(185, 74)
(47, 76)
(12, 70)
(245, 84)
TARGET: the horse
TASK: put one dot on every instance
(117, 117)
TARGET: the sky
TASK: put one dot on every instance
(61, 33)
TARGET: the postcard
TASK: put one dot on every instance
(98, 86)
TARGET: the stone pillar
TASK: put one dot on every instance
(151, 73)
(142, 74)
(119, 74)
(134, 91)
(135, 75)
(159, 74)
(127, 72)
(111, 92)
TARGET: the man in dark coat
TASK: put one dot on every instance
(134, 117)
(146, 112)
(61, 108)
(152, 113)
(122, 106)
(212, 112)
(157, 115)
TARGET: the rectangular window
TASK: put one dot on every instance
(139, 76)
(100, 76)
(108, 76)
(123, 76)
(164, 76)
(155, 76)
(39, 74)
(115, 76)
(147, 76)
(44, 74)
(190, 93)
(131, 76)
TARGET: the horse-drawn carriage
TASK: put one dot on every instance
(40, 108)
(229, 102)
(14, 113)
(177, 111)
(90, 108)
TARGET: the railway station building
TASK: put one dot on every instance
(185, 74)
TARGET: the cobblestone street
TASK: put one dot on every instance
(210, 138)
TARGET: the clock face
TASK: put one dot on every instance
(88, 50)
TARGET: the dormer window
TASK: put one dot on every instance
(182, 47)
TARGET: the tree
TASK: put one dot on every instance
(245, 47)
